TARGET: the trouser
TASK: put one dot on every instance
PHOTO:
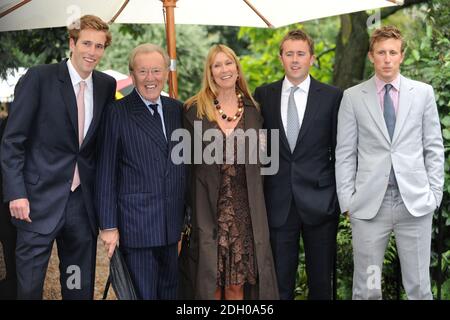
(154, 271)
(76, 251)
(413, 241)
(320, 246)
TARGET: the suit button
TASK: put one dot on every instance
(214, 234)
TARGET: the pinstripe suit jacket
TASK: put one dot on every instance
(139, 190)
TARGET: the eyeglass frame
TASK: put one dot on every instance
(143, 73)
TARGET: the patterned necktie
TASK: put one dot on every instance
(81, 111)
(292, 124)
(157, 117)
(389, 117)
(389, 111)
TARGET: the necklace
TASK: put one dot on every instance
(238, 113)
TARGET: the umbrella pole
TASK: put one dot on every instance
(169, 6)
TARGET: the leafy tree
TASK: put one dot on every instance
(263, 64)
(352, 44)
(31, 47)
(230, 37)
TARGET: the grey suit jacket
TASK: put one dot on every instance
(365, 153)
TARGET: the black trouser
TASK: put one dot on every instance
(8, 285)
(320, 246)
(76, 251)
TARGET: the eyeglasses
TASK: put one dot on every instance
(156, 72)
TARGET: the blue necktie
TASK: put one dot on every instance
(389, 111)
(292, 123)
(389, 117)
(157, 117)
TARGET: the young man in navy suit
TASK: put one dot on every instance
(140, 191)
(48, 158)
(301, 196)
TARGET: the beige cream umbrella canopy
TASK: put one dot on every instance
(33, 14)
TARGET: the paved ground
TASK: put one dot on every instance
(52, 289)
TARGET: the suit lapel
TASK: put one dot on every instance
(405, 101)
(276, 105)
(312, 106)
(370, 98)
(144, 119)
(68, 95)
(171, 122)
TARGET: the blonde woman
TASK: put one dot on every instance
(229, 254)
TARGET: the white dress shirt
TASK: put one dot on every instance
(160, 110)
(88, 94)
(300, 97)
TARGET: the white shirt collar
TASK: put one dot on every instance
(75, 77)
(303, 86)
(147, 102)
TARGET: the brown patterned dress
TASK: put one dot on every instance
(236, 263)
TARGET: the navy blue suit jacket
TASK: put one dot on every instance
(305, 176)
(140, 190)
(40, 144)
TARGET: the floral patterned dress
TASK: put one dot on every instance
(236, 263)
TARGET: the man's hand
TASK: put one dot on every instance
(110, 239)
(20, 209)
(180, 243)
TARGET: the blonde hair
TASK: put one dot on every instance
(147, 48)
(209, 90)
(89, 22)
(384, 33)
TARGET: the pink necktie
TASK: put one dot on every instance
(80, 105)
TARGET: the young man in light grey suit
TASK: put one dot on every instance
(389, 169)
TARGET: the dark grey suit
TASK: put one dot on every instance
(301, 196)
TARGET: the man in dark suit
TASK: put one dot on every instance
(140, 191)
(48, 158)
(301, 196)
(8, 281)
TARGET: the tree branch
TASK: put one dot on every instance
(386, 12)
(322, 54)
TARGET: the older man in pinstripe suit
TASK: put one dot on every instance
(140, 191)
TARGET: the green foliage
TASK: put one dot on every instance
(344, 263)
(30, 47)
(229, 36)
(262, 64)
(301, 288)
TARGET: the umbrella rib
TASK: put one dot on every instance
(397, 2)
(258, 13)
(119, 12)
(15, 7)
